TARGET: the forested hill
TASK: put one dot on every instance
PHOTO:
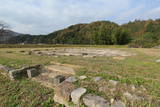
(8, 34)
(137, 34)
(144, 33)
(100, 32)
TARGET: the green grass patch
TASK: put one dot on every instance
(24, 93)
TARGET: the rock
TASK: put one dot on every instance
(19, 73)
(82, 77)
(76, 95)
(71, 79)
(118, 104)
(49, 54)
(22, 51)
(58, 79)
(95, 101)
(143, 88)
(30, 53)
(68, 54)
(96, 79)
(39, 53)
(9, 51)
(128, 95)
(112, 90)
(103, 88)
(158, 61)
(89, 56)
(133, 88)
(113, 82)
(4, 68)
(84, 54)
(112, 100)
(131, 97)
(32, 72)
(63, 93)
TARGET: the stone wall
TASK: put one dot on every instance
(29, 72)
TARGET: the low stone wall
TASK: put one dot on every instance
(68, 94)
(4, 68)
(25, 72)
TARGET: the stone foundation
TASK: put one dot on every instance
(25, 72)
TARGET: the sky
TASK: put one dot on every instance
(46, 16)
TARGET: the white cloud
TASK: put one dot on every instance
(45, 16)
(153, 13)
(131, 14)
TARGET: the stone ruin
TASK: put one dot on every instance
(62, 78)
(84, 52)
(29, 72)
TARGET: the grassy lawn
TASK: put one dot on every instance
(140, 70)
(24, 93)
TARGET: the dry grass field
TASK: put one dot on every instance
(139, 70)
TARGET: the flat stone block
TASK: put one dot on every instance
(58, 79)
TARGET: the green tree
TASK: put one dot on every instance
(121, 36)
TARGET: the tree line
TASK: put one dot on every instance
(135, 34)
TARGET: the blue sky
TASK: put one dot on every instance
(45, 16)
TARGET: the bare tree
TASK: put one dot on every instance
(4, 27)
(4, 32)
